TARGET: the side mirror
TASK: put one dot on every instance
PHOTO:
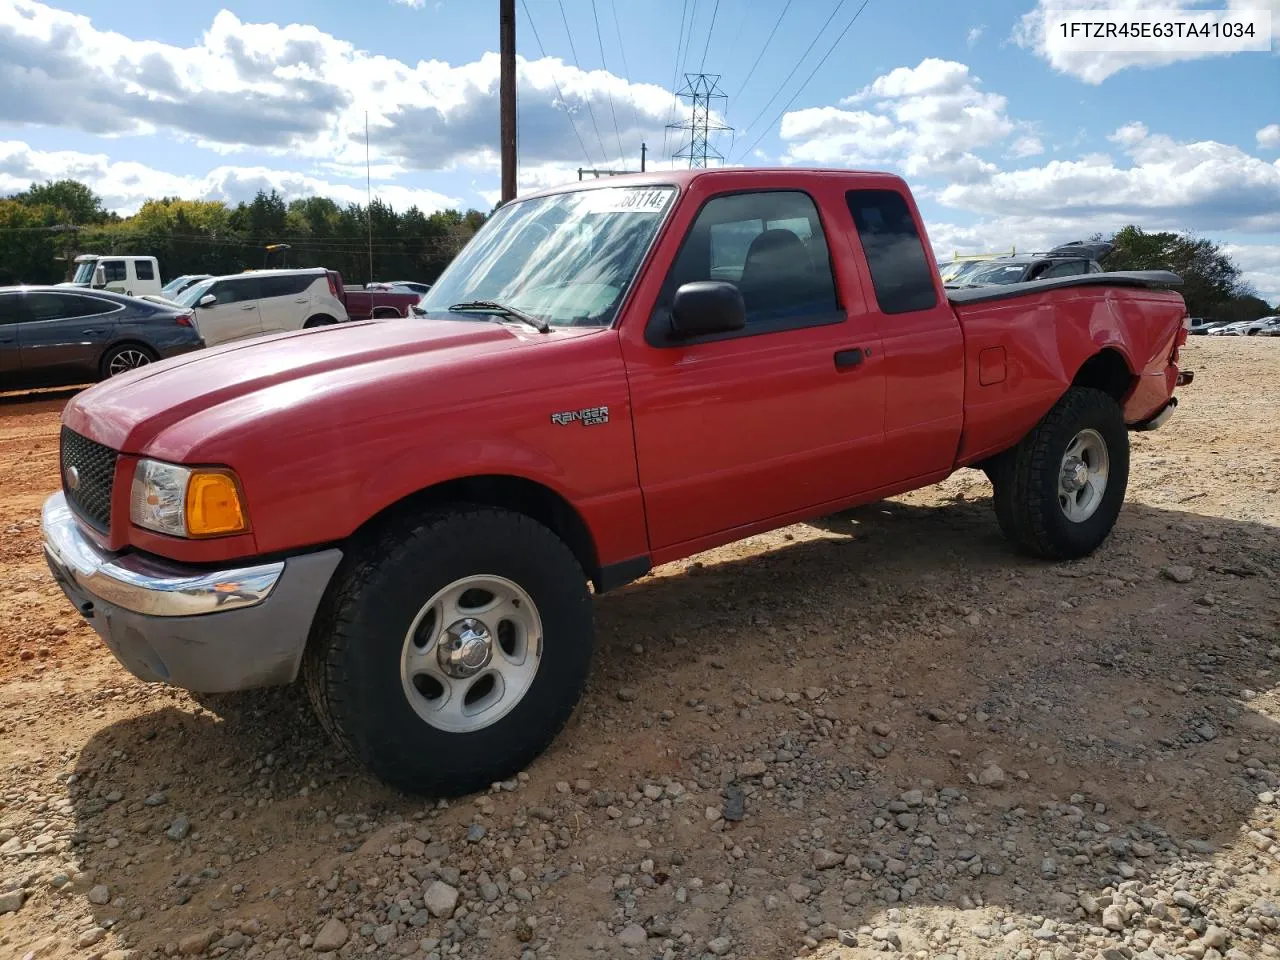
(208, 300)
(99, 277)
(707, 306)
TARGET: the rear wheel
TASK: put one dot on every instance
(320, 320)
(1059, 492)
(452, 653)
(125, 357)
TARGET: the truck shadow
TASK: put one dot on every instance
(882, 650)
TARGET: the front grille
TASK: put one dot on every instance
(95, 471)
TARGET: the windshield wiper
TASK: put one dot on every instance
(492, 306)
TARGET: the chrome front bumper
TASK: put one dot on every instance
(145, 584)
(211, 631)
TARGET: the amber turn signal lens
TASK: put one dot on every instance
(213, 505)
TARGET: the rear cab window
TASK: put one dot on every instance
(896, 258)
(143, 268)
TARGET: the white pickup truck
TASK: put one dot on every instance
(132, 276)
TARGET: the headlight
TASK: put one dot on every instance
(186, 501)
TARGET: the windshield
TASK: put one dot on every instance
(1004, 273)
(566, 258)
(191, 296)
(84, 272)
(173, 286)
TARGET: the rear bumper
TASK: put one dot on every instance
(1157, 420)
(210, 631)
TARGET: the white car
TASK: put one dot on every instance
(264, 301)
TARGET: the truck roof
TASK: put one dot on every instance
(763, 175)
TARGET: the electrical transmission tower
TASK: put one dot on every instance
(703, 92)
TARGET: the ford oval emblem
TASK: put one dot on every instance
(73, 478)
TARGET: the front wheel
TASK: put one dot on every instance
(450, 654)
(1059, 492)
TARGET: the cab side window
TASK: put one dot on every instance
(144, 269)
(236, 291)
(900, 271)
(113, 271)
(769, 244)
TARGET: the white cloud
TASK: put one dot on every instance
(124, 186)
(1167, 184)
(975, 34)
(1095, 67)
(297, 91)
(1269, 137)
(1260, 265)
(926, 120)
(1027, 147)
(415, 4)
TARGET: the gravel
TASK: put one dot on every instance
(883, 734)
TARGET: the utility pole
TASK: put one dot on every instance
(507, 95)
(702, 90)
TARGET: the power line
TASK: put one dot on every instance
(626, 70)
(675, 75)
(710, 30)
(590, 112)
(559, 93)
(812, 43)
(742, 22)
(786, 6)
(600, 41)
(816, 68)
(688, 37)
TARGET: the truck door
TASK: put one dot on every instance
(923, 347)
(115, 276)
(781, 416)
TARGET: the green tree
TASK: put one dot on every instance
(1210, 279)
(72, 201)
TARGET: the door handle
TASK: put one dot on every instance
(301, 300)
(90, 333)
(848, 359)
(250, 306)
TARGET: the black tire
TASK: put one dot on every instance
(120, 352)
(1026, 478)
(352, 667)
(319, 320)
(387, 313)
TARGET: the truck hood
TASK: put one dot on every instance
(128, 412)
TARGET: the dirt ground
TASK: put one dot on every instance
(924, 745)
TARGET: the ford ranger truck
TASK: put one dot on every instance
(410, 516)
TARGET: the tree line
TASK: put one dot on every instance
(1212, 284)
(43, 228)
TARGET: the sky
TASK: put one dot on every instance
(1004, 142)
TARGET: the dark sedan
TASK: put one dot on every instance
(55, 336)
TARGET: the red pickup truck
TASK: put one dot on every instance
(373, 302)
(410, 515)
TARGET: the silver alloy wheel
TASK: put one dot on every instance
(471, 653)
(1082, 478)
(126, 360)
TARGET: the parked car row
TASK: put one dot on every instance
(1262, 327)
(1072, 259)
(80, 332)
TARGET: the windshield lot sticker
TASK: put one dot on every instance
(589, 416)
(627, 200)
